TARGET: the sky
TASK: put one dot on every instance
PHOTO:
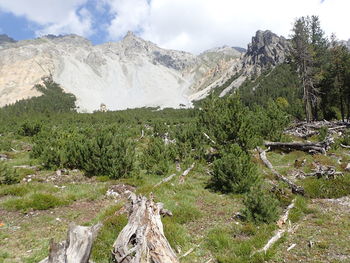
(189, 25)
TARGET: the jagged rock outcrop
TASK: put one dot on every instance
(266, 51)
(126, 74)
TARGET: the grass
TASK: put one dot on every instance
(327, 188)
(39, 196)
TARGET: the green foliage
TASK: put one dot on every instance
(155, 157)
(227, 121)
(280, 84)
(102, 152)
(37, 201)
(7, 174)
(323, 134)
(327, 188)
(270, 121)
(260, 206)
(234, 172)
(112, 225)
(29, 129)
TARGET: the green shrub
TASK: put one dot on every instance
(37, 201)
(156, 157)
(260, 206)
(323, 133)
(29, 129)
(8, 175)
(108, 155)
(234, 172)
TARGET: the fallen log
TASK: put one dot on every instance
(319, 147)
(295, 188)
(142, 239)
(77, 247)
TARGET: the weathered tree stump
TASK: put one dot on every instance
(77, 247)
(142, 240)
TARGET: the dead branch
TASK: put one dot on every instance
(77, 247)
(185, 173)
(207, 136)
(167, 179)
(321, 171)
(284, 227)
(142, 239)
(295, 188)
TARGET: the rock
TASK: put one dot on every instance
(3, 157)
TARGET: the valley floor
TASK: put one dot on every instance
(205, 222)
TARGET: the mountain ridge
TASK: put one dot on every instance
(126, 74)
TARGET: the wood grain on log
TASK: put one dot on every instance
(142, 240)
(77, 247)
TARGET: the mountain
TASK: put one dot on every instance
(266, 50)
(132, 72)
(5, 39)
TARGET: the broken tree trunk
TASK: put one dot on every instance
(319, 147)
(77, 247)
(295, 188)
(142, 240)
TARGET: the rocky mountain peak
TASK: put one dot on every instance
(267, 49)
(6, 39)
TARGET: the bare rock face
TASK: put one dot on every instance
(130, 73)
(266, 51)
(126, 74)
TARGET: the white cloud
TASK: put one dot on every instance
(129, 15)
(196, 25)
(191, 25)
(54, 17)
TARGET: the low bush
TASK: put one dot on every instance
(7, 174)
(260, 206)
(234, 172)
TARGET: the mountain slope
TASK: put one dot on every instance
(130, 73)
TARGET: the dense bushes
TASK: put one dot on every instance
(29, 129)
(234, 172)
(104, 152)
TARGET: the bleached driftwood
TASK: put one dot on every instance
(295, 188)
(185, 173)
(324, 171)
(284, 227)
(167, 179)
(77, 247)
(142, 239)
